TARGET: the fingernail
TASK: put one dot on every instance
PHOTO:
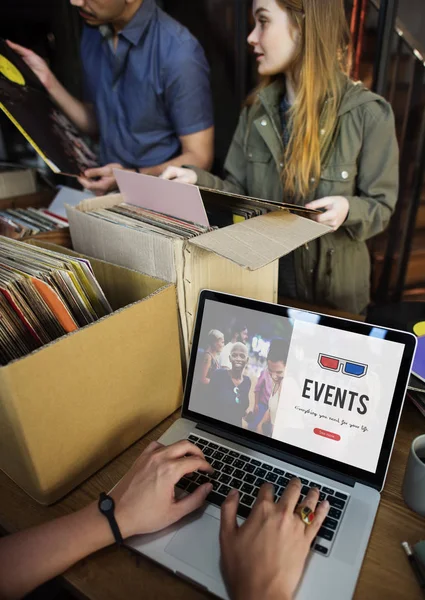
(232, 493)
(208, 488)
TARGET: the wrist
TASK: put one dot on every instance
(53, 85)
(93, 526)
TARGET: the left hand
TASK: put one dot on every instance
(144, 498)
(105, 184)
(336, 212)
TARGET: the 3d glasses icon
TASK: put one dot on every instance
(348, 367)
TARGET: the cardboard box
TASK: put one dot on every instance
(40, 199)
(239, 259)
(17, 182)
(73, 405)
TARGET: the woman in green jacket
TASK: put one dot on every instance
(310, 135)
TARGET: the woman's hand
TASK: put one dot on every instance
(336, 212)
(180, 174)
(265, 557)
(37, 64)
(144, 497)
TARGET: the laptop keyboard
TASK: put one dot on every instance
(237, 470)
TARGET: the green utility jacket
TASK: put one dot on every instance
(362, 166)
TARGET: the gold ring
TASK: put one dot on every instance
(306, 514)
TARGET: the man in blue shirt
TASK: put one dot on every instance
(147, 90)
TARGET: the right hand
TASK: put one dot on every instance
(265, 557)
(144, 497)
(180, 174)
(35, 63)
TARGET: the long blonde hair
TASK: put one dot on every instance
(322, 58)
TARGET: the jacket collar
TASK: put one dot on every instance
(271, 95)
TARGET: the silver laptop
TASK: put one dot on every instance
(332, 424)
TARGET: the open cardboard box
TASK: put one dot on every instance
(241, 259)
(73, 405)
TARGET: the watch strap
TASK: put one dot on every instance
(110, 515)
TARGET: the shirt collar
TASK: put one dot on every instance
(134, 30)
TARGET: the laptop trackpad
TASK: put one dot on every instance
(197, 544)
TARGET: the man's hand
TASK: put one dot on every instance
(36, 64)
(106, 181)
(180, 174)
(265, 557)
(336, 212)
(144, 498)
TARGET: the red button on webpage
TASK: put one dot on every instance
(327, 434)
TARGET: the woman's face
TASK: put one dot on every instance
(276, 370)
(239, 358)
(219, 344)
(275, 39)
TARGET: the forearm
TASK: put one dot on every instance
(82, 115)
(192, 158)
(29, 558)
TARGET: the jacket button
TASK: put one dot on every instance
(322, 131)
(250, 155)
(281, 165)
(313, 180)
(264, 122)
(344, 175)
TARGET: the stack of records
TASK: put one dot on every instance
(18, 223)
(43, 295)
(135, 217)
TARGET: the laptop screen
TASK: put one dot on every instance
(319, 384)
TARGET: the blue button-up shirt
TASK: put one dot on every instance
(153, 88)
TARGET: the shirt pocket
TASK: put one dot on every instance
(260, 168)
(337, 180)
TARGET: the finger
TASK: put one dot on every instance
(192, 501)
(83, 181)
(98, 172)
(19, 49)
(266, 494)
(229, 509)
(327, 217)
(180, 449)
(311, 499)
(321, 203)
(169, 173)
(103, 185)
(150, 449)
(320, 513)
(189, 464)
(291, 495)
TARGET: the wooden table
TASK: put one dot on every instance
(113, 574)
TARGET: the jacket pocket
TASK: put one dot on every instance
(260, 172)
(337, 180)
(344, 273)
(255, 155)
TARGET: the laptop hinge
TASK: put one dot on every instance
(298, 462)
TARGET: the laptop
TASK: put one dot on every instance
(333, 426)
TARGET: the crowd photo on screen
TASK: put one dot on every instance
(240, 366)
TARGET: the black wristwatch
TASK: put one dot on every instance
(107, 507)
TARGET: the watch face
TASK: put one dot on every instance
(106, 505)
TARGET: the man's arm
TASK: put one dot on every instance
(197, 149)
(82, 115)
